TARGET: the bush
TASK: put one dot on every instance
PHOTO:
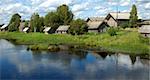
(144, 40)
(78, 27)
(112, 31)
(125, 25)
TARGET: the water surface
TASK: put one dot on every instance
(18, 63)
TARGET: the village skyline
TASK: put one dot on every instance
(81, 9)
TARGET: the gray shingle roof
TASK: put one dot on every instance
(146, 22)
(4, 26)
(95, 22)
(122, 15)
(94, 25)
(47, 29)
(26, 29)
(96, 18)
(63, 28)
(145, 29)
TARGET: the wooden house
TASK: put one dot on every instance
(145, 30)
(47, 30)
(96, 24)
(1, 25)
(4, 27)
(145, 22)
(62, 29)
(26, 30)
(118, 19)
(22, 26)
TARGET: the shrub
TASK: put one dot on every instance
(144, 40)
(125, 25)
(112, 31)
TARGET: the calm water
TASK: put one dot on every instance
(18, 63)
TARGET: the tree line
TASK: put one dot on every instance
(62, 16)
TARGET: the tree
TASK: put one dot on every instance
(78, 26)
(36, 23)
(133, 17)
(52, 20)
(14, 23)
(26, 23)
(64, 14)
(41, 24)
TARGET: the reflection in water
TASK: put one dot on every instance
(133, 59)
(18, 63)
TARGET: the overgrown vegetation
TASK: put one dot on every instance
(36, 23)
(124, 41)
(77, 27)
(14, 23)
(112, 31)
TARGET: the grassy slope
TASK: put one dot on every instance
(125, 41)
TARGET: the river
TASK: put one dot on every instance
(16, 62)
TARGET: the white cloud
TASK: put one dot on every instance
(81, 8)
(147, 5)
(125, 4)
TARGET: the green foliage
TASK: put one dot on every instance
(64, 14)
(36, 23)
(41, 24)
(52, 20)
(124, 25)
(12, 27)
(125, 41)
(26, 23)
(133, 17)
(144, 40)
(14, 23)
(112, 31)
(78, 27)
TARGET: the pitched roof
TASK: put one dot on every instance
(25, 29)
(47, 29)
(120, 15)
(4, 26)
(95, 22)
(146, 22)
(96, 18)
(1, 25)
(63, 28)
(94, 25)
(145, 29)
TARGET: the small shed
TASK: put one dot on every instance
(145, 30)
(47, 30)
(62, 29)
(3, 28)
(26, 30)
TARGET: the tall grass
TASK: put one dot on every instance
(124, 41)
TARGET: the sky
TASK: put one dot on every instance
(81, 8)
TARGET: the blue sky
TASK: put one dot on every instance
(80, 8)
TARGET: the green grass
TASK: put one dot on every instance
(125, 41)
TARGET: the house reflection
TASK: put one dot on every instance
(79, 53)
(101, 54)
(133, 59)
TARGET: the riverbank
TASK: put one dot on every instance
(125, 41)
